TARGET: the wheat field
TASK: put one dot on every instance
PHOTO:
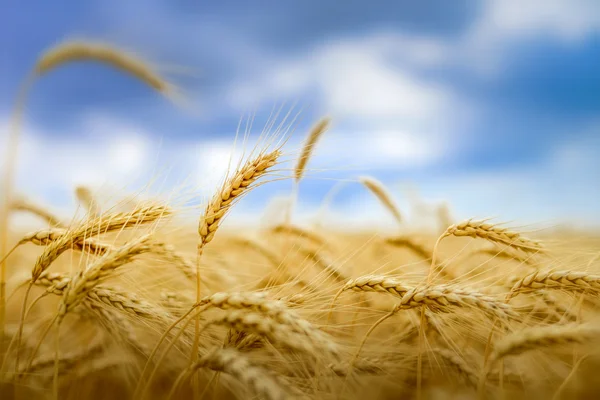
(154, 300)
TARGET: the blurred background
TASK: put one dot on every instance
(492, 107)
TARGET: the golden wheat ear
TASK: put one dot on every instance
(83, 50)
(313, 137)
(379, 190)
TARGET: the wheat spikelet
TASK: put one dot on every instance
(125, 302)
(234, 363)
(84, 281)
(544, 337)
(442, 296)
(242, 341)
(363, 366)
(53, 282)
(46, 237)
(402, 241)
(73, 51)
(276, 332)
(274, 309)
(564, 280)
(314, 135)
(376, 283)
(86, 198)
(492, 233)
(381, 193)
(21, 204)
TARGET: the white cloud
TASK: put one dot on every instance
(504, 25)
(568, 20)
(376, 149)
(358, 78)
(106, 153)
(385, 113)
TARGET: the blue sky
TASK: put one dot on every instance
(492, 106)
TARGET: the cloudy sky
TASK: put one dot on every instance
(491, 106)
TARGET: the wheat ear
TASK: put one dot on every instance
(84, 281)
(143, 214)
(76, 51)
(538, 338)
(411, 244)
(86, 198)
(382, 195)
(314, 135)
(490, 232)
(236, 364)
(233, 189)
(564, 280)
(21, 204)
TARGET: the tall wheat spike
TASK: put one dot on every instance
(378, 189)
(315, 134)
(233, 189)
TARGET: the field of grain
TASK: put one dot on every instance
(151, 300)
